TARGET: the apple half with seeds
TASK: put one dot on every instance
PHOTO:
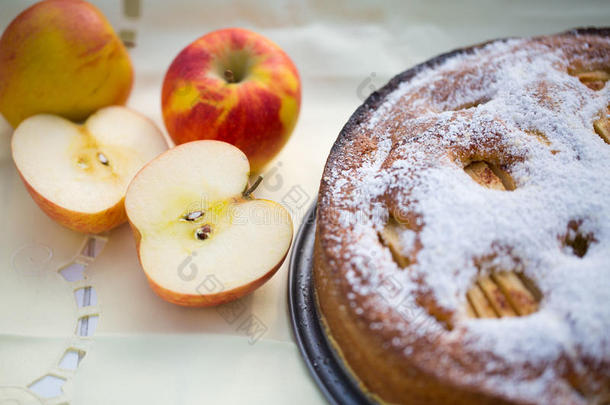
(202, 238)
(78, 174)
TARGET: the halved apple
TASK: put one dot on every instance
(202, 238)
(78, 174)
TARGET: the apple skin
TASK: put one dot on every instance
(208, 300)
(257, 114)
(95, 222)
(193, 299)
(61, 57)
(77, 221)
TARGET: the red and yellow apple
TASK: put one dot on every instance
(236, 86)
(61, 57)
(202, 238)
(78, 174)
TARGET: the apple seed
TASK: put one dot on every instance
(192, 216)
(102, 158)
(204, 232)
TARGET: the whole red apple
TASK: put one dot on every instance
(236, 86)
(61, 57)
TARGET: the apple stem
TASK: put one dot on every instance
(253, 187)
(229, 76)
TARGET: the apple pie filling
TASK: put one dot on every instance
(501, 294)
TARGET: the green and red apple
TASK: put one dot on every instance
(202, 238)
(61, 57)
(78, 174)
(236, 86)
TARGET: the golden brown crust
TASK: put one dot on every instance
(379, 369)
(433, 371)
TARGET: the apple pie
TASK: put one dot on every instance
(462, 250)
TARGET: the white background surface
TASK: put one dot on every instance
(149, 351)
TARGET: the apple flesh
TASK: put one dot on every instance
(236, 86)
(78, 174)
(201, 240)
(61, 57)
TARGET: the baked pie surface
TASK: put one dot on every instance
(463, 229)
